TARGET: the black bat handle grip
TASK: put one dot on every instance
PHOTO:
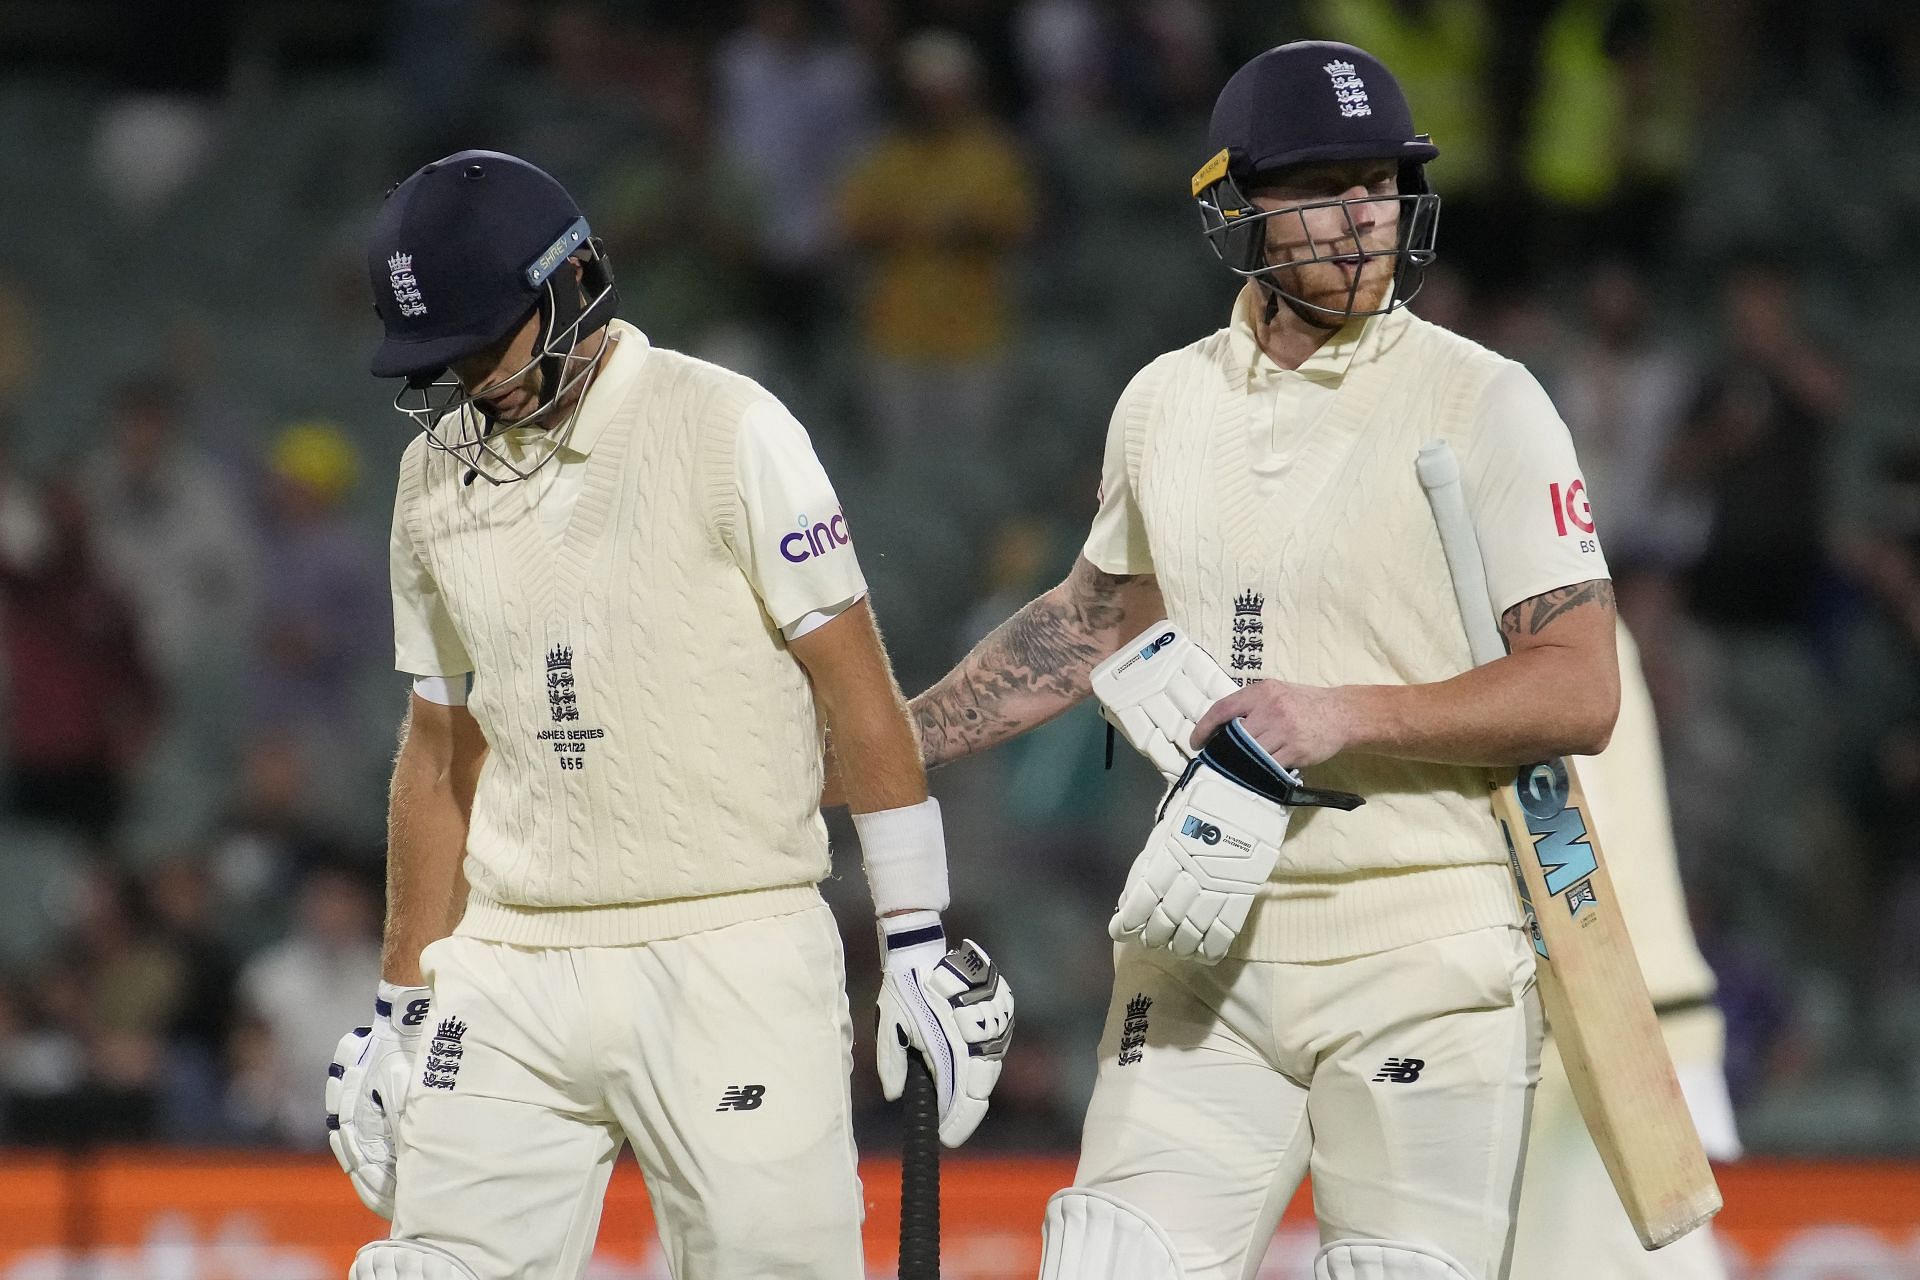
(920, 1176)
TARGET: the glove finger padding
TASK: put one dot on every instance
(1215, 844)
(367, 1085)
(958, 1012)
(1155, 689)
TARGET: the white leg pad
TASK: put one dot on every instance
(1384, 1260)
(1090, 1235)
(407, 1260)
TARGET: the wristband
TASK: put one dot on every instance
(912, 939)
(906, 855)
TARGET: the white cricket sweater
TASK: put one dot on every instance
(1309, 554)
(654, 757)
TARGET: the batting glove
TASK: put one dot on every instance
(366, 1085)
(951, 1006)
(1214, 845)
(1155, 688)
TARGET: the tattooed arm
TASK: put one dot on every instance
(1035, 664)
(1555, 693)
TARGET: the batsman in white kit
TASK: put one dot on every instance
(1303, 985)
(603, 925)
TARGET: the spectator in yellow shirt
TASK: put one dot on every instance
(937, 209)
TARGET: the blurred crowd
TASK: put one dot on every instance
(946, 232)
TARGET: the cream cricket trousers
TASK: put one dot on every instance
(1571, 1224)
(722, 1056)
(1401, 1080)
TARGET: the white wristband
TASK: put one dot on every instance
(906, 855)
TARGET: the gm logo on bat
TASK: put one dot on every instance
(1204, 832)
(1559, 833)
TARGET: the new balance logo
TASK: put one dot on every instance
(1400, 1070)
(742, 1097)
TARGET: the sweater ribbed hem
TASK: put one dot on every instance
(1301, 919)
(627, 923)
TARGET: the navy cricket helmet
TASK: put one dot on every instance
(1314, 101)
(462, 253)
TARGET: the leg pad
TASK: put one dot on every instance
(1384, 1260)
(407, 1260)
(1090, 1235)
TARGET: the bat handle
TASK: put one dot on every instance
(920, 1175)
(1439, 473)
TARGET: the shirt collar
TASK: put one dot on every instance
(627, 348)
(1328, 363)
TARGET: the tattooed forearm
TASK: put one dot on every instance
(1531, 617)
(1032, 668)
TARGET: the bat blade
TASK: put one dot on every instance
(1591, 986)
(1597, 1003)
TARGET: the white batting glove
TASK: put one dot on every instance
(366, 1086)
(1155, 688)
(1215, 844)
(953, 1007)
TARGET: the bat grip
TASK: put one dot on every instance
(920, 1175)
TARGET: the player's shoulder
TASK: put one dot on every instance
(1204, 357)
(714, 388)
(1494, 382)
(418, 463)
(1404, 328)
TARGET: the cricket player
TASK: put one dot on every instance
(1570, 1221)
(1303, 988)
(603, 926)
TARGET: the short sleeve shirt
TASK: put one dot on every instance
(791, 538)
(425, 641)
(1523, 487)
(1526, 494)
(1117, 542)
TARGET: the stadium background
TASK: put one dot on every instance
(945, 232)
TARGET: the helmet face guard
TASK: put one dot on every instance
(456, 420)
(1236, 229)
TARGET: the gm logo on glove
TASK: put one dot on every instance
(1204, 832)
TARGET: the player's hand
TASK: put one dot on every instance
(953, 1007)
(1216, 842)
(1153, 689)
(366, 1086)
(1300, 725)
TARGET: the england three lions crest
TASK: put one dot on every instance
(406, 288)
(1249, 635)
(568, 738)
(443, 1055)
(1349, 90)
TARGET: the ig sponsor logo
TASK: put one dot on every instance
(814, 539)
(1570, 507)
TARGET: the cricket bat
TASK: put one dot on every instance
(1590, 981)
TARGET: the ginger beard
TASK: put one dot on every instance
(1326, 246)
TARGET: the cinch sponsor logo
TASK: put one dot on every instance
(1570, 506)
(814, 539)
